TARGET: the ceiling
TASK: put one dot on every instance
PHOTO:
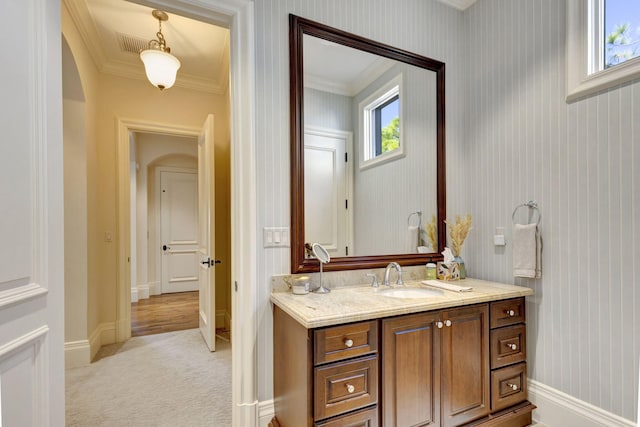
(114, 31)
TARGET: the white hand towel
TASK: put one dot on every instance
(411, 245)
(527, 248)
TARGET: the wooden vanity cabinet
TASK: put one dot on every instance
(435, 369)
(457, 367)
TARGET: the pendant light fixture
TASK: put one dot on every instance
(161, 67)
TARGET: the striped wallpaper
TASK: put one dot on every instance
(580, 162)
(511, 137)
(415, 25)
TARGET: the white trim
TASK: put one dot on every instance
(238, 16)
(144, 291)
(153, 288)
(20, 293)
(16, 345)
(134, 294)
(581, 81)
(103, 334)
(556, 408)
(76, 354)
(266, 412)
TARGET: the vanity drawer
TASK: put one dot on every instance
(508, 386)
(345, 341)
(366, 418)
(343, 387)
(508, 346)
(507, 312)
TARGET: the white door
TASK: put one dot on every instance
(31, 217)
(206, 234)
(327, 202)
(179, 231)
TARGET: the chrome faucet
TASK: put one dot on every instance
(386, 274)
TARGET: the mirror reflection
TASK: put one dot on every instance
(370, 151)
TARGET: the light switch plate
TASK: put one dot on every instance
(275, 237)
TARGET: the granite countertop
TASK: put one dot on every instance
(355, 303)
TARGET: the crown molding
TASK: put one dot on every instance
(459, 4)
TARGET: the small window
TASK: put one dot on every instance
(621, 31)
(603, 47)
(381, 124)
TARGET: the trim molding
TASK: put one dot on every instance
(76, 354)
(21, 293)
(556, 408)
(266, 411)
(459, 4)
(103, 334)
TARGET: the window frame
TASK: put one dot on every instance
(585, 53)
(366, 136)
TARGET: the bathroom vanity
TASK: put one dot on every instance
(356, 357)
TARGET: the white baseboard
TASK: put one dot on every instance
(266, 411)
(223, 319)
(134, 294)
(154, 288)
(103, 334)
(143, 292)
(76, 354)
(558, 409)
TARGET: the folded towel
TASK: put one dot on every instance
(411, 246)
(447, 286)
(527, 249)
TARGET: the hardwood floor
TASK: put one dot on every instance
(164, 313)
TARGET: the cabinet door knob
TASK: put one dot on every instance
(510, 313)
(351, 388)
(447, 322)
(348, 343)
(439, 325)
(512, 386)
(512, 346)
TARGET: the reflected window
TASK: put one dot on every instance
(381, 124)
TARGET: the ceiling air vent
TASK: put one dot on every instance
(131, 44)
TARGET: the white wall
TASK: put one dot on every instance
(579, 161)
(415, 25)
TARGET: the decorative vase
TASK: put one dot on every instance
(463, 270)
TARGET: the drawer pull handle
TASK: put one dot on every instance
(513, 387)
(351, 388)
(447, 322)
(512, 346)
(439, 325)
(348, 343)
(510, 313)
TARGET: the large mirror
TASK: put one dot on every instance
(367, 150)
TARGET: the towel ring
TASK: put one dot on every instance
(531, 204)
(419, 214)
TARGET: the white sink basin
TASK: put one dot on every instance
(410, 293)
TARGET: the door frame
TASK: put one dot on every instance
(158, 223)
(238, 16)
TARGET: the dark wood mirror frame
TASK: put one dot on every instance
(297, 28)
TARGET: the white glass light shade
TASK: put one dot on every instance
(161, 67)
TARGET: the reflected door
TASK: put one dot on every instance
(328, 204)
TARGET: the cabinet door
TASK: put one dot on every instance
(465, 365)
(411, 371)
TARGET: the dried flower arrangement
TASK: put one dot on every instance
(432, 233)
(458, 231)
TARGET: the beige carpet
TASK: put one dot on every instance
(168, 379)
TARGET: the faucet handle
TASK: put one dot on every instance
(374, 282)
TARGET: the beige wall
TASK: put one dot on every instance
(107, 99)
